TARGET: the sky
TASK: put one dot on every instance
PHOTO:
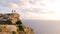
(33, 9)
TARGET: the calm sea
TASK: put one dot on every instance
(43, 26)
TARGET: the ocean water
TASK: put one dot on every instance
(43, 26)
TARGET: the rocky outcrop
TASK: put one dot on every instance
(4, 17)
(8, 29)
(12, 29)
(28, 30)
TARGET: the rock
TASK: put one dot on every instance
(8, 16)
(13, 29)
(28, 30)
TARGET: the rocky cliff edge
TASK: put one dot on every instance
(7, 29)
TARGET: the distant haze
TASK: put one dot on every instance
(43, 26)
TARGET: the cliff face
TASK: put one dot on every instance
(5, 28)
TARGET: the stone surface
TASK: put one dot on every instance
(4, 17)
(8, 29)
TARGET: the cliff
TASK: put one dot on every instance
(11, 24)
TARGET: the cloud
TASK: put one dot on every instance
(29, 15)
(13, 6)
(31, 10)
(34, 9)
(35, 16)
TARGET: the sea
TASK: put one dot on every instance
(43, 26)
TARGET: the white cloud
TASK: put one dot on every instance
(48, 10)
(13, 6)
(37, 9)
